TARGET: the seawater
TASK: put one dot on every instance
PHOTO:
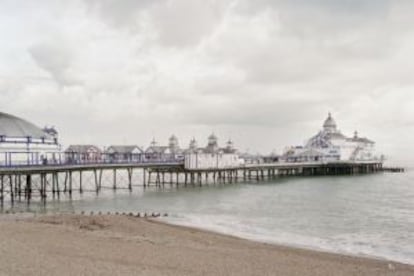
(365, 215)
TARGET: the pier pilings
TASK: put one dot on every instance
(29, 182)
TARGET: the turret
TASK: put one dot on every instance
(329, 125)
(173, 142)
(193, 144)
(230, 145)
(212, 140)
(153, 143)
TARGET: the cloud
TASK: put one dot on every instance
(56, 59)
(121, 14)
(265, 72)
(173, 23)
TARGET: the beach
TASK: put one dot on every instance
(126, 245)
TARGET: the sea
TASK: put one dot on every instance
(365, 215)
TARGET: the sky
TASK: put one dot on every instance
(264, 73)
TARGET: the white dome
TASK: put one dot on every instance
(329, 123)
(11, 126)
(212, 137)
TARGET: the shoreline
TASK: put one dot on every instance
(282, 244)
(125, 245)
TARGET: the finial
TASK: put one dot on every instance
(153, 142)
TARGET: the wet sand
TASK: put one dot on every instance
(121, 245)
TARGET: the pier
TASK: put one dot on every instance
(34, 167)
(22, 183)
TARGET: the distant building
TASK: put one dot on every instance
(251, 158)
(124, 153)
(212, 156)
(23, 143)
(172, 152)
(83, 154)
(272, 158)
(155, 152)
(331, 145)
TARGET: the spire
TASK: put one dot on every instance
(230, 144)
(153, 142)
(193, 144)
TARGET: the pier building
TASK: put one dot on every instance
(331, 145)
(23, 143)
(164, 153)
(173, 151)
(78, 154)
(124, 153)
(212, 156)
(155, 152)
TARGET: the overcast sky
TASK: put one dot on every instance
(263, 72)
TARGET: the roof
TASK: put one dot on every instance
(156, 149)
(228, 150)
(82, 148)
(362, 140)
(123, 148)
(335, 135)
(13, 126)
(309, 152)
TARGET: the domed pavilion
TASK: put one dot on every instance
(331, 145)
(23, 143)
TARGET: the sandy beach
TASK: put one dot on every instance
(122, 245)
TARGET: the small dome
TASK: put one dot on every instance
(173, 142)
(12, 126)
(329, 123)
(230, 144)
(212, 140)
(212, 137)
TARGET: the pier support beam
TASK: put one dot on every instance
(114, 180)
(1, 189)
(80, 182)
(70, 183)
(11, 188)
(28, 187)
(95, 174)
(129, 178)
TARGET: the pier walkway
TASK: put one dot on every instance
(23, 182)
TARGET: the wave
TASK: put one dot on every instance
(345, 244)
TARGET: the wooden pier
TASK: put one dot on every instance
(24, 183)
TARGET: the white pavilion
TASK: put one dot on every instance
(331, 145)
(23, 143)
(211, 156)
